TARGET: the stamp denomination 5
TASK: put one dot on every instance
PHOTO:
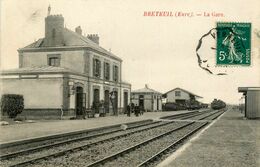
(233, 44)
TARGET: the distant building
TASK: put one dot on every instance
(148, 99)
(250, 105)
(180, 96)
(66, 71)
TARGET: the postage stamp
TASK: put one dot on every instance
(233, 44)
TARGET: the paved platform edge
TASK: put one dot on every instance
(35, 139)
(188, 143)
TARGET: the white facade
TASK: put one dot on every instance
(171, 96)
(148, 99)
(66, 71)
(179, 95)
(36, 92)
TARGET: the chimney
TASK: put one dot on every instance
(146, 86)
(78, 30)
(94, 38)
(54, 25)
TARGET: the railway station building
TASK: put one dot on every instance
(249, 104)
(147, 98)
(180, 96)
(65, 72)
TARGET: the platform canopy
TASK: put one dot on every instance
(245, 89)
(197, 96)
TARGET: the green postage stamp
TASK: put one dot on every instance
(233, 44)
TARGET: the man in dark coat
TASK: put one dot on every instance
(137, 110)
(128, 110)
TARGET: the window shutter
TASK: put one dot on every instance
(108, 71)
(116, 73)
(94, 67)
(98, 68)
(104, 70)
(114, 76)
(58, 62)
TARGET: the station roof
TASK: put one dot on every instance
(146, 89)
(245, 89)
(43, 69)
(184, 91)
(71, 40)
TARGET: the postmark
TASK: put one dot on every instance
(233, 44)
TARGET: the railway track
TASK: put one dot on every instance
(194, 115)
(157, 155)
(153, 160)
(38, 156)
(53, 142)
(72, 148)
(48, 140)
(122, 159)
(208, 116)
(178, 116)
(186, 115)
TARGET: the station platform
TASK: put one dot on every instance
(41, 128)
(230, 141)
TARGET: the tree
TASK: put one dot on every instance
(12, 104)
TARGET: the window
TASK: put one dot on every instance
(106, 71)
(54, 60)
(177, 93)
(96, 68)
(115, 73)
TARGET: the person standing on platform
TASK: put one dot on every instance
(132, 108)
(128, 110)
(137, 110)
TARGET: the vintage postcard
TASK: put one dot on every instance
(130, 83)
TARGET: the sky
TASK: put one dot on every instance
(158, 51)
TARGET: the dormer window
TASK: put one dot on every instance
(54, 60)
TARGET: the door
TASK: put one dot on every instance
(158, 101)
(141, 102)
(106, 101)
(125, 101)
(116, 103)
(80, 101)
(96, 100)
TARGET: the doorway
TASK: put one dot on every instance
(106, 101)
(141, 102)
(96, 98)
(158, 101)
(125, 101)
(80, 101)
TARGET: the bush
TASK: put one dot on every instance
(12, 104)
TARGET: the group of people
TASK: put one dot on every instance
(132, 108)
